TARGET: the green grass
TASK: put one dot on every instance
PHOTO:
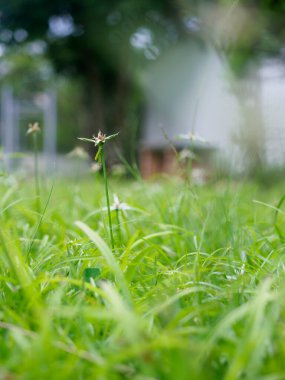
(194, 288)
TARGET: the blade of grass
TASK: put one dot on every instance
(109, 257)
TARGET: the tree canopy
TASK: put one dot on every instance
(103, 43)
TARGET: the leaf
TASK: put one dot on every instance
(109, 257)
(98, 155)
(277, 211)
(91, 273)
(84, 139)
(111, 136)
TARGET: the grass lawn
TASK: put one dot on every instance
(194, 288)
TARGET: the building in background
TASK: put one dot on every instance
(192, 92)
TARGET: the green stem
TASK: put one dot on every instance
(189, 171)
(107, 197)
(36, 167)
(119, 227)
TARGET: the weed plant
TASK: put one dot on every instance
(34, 130)
(195, 290)
(99, 142)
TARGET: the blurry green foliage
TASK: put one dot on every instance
(107, 45)
(91, 40)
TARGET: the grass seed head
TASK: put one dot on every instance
(192, 137)
(33, 128)
(100, 138)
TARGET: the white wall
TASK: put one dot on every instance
(190, 91)
(273, 106)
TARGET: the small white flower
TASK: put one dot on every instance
(95, 167)
(99, 142)
(117, 205)
(100, 139)
(191, 137)
(121, 206)
(33, 128)
(186, 154)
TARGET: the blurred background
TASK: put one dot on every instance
(181, 80)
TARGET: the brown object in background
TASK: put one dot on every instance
(157, 161)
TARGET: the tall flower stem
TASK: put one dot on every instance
(189, 169)
(119, 226)
(99, 142)
(107, 196)
(36, 172)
